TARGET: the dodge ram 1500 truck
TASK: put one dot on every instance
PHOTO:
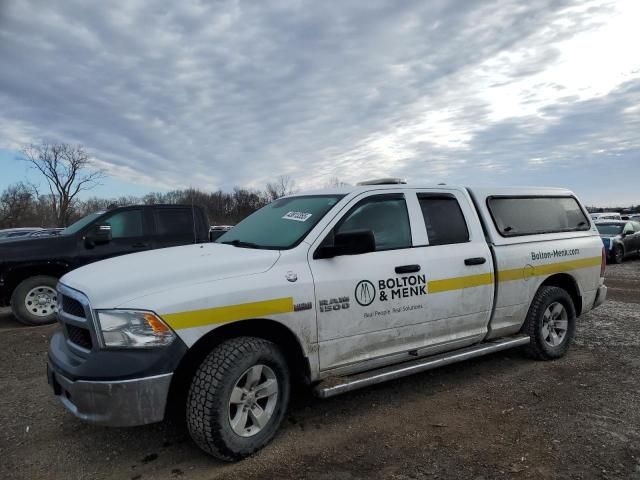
(340, 288)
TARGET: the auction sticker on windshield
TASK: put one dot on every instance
(297, 216)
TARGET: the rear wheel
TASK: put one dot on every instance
(550, 324)
(238, 398)
(34, 301)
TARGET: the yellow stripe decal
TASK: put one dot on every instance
(242, 311)
(564, 266)
(509, 275)
(230, 313)
(457, 283)
(551, 268)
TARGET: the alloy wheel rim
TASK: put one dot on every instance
(555, 323)
(41, 301)
(253, 400)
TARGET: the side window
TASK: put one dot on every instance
(628, 228)
(443, 218)
(127, 224)
(386, 216)
(174, 221)
(525, 215)
(636, 226)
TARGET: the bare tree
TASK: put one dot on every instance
(284, 185)
(335, 182)
(67, 170)
(17, 206)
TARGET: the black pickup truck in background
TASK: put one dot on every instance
(30, 267)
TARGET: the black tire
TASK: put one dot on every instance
(20, 310)
(617, 256)
(538, 347)
(207, 408)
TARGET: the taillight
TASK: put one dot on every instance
(603, 264)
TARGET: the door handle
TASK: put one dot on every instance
(475, 261)
(139, 245)
(408, 268)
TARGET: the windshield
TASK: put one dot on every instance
(609, 228)
(77, 226)
(282, 224)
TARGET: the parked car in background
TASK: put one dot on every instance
(620, 238)
(216, 231)
(635, 217)
(18, 232)
(45, 232)
(30, 267)
(605, 216)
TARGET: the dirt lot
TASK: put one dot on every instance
(503, 416)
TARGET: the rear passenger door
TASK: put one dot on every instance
(173, 226)
(457, 263)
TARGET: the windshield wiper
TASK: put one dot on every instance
(241, 244)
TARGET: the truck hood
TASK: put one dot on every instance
(33, 248)
(116, 281)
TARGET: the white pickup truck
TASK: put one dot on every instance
(339, 288)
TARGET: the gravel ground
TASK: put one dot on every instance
(502, 416)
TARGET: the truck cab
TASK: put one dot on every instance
(30, 267)
(339, 289)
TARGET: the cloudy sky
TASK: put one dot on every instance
(213, 94)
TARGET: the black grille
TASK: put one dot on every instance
(79, 336)
(72, 307)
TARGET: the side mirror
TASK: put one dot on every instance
(99, 234)
(349, 243)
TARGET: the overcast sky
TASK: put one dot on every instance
(213, 94)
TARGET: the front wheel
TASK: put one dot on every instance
(238, 398)
(618, 254)
(33, 302)
(550, 323)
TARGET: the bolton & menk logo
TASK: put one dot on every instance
(365, 293)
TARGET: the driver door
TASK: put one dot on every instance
(631, 238)
(127, 236)
(370, 305)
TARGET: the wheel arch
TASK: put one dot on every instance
(621, 245)
(569, 284)
(271, 330)
(16, 275)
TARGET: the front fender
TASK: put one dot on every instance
(12, 275)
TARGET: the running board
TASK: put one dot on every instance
(337, 385)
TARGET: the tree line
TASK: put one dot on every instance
(20, 206)
(67, 170)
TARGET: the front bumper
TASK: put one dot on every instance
(601, 296)
(120, 403)
(114, 387)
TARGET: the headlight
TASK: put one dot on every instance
(133, 329)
